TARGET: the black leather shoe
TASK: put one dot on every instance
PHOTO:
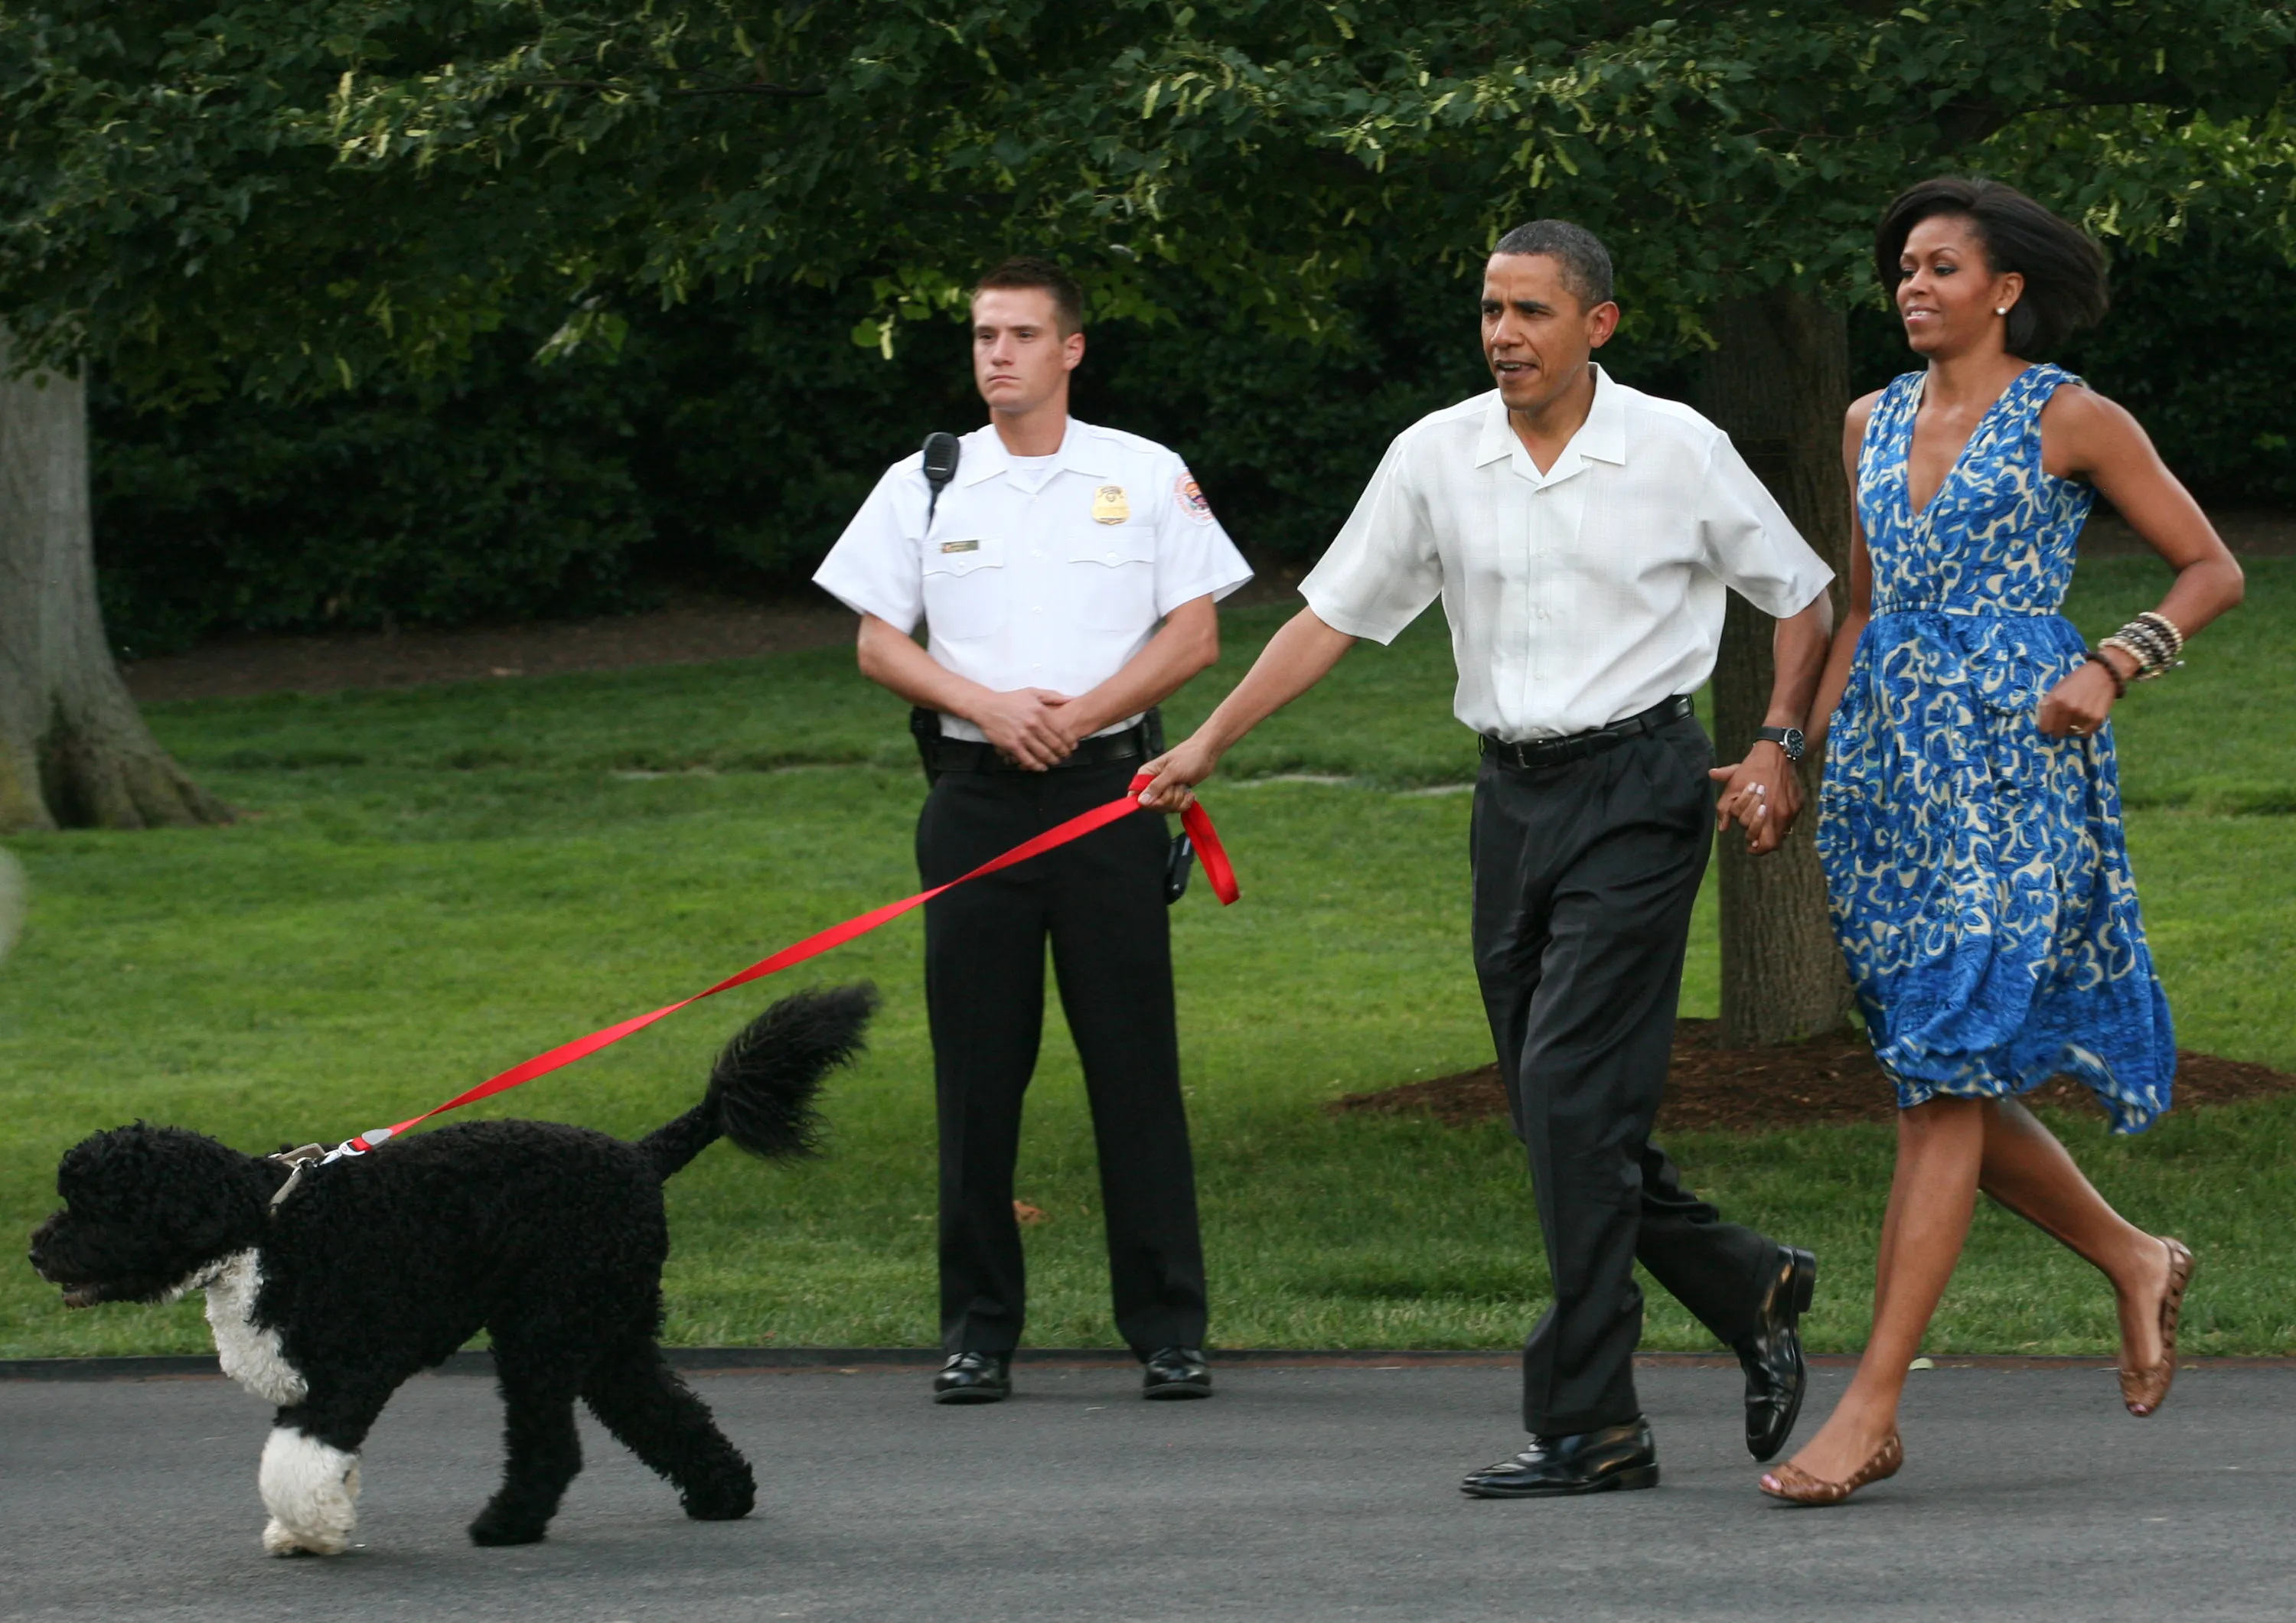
(1175, 1372)
(974, 1377)
(1775, 1374)
(1583, 1462)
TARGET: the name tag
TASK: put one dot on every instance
(1109, 505)
(960, 547)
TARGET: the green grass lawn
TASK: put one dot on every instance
(429, 885)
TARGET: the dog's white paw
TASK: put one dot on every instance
(312, 1492)
(277, 1540)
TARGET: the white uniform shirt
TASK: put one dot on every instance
(1577, 597)
(1045, 572)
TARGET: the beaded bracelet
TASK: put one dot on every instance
(2153, 617)
(2097, 657)
(2151, 640)
(2144, 660)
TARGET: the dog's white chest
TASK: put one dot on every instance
(249, 1355)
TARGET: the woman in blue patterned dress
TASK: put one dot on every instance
(1970, 820)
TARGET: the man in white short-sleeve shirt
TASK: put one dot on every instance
(1582, 534)
(1066, 575)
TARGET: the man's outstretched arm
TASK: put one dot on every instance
(1295, 660)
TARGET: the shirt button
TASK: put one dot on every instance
(1039, 552)
(1112, 557)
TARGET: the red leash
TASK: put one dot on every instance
(1217, 872)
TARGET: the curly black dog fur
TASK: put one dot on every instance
(550, 1238)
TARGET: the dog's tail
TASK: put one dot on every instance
(762, 1088)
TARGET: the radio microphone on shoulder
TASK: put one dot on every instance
(942, 452)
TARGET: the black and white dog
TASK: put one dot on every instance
(550, 1238)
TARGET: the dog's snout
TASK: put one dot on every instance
(44, 1245)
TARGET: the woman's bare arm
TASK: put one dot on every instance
(2089, 437)
(2085, 436)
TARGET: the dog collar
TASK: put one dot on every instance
(303, 1157)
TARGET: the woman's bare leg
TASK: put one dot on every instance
(1940, 1146)
(2027, 1171)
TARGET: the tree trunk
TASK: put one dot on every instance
(74, 753)
(12, 903)
(1777, 384)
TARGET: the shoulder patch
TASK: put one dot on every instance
(1190, 497)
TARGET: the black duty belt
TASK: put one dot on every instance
(1556, 751)
(962, 754)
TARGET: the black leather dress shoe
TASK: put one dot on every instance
(974, 1377)
(1775, 1374)
(1616, 1457)
(1175, 1372)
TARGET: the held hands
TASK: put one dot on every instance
(1762, 794)
(1028, 726)
(2078, 704)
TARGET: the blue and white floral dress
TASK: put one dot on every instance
(1977, 868)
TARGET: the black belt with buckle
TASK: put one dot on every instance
(963, 755)
(1556, 751)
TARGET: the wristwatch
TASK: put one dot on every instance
(1788, 739)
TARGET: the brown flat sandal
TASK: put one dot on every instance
(2144, 1391)
(1791, 1482)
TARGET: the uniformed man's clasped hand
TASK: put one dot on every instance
(1030, 726)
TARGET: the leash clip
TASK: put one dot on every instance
(359, 1145)
(304, 1157)
(301, 1157)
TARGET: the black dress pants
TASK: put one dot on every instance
(1584, 876)
(1101, 903)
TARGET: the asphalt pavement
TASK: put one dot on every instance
(1297, 1493)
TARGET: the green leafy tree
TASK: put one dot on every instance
(278, 196)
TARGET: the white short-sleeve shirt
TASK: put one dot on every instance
(1045, 572)
(1577, 597)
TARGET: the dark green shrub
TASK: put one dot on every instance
(727, 443)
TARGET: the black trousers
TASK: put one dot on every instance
(1101, 903)
(1585, 875)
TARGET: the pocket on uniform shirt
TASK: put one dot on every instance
(1112, 576)
(965, 587)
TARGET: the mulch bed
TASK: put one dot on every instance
(691, 627)
(687, 630)
(1828, 1078)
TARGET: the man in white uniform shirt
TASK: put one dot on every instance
(1581, 536)
(1067, 575)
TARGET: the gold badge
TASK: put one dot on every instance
(960, 547)
(1109, 505)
